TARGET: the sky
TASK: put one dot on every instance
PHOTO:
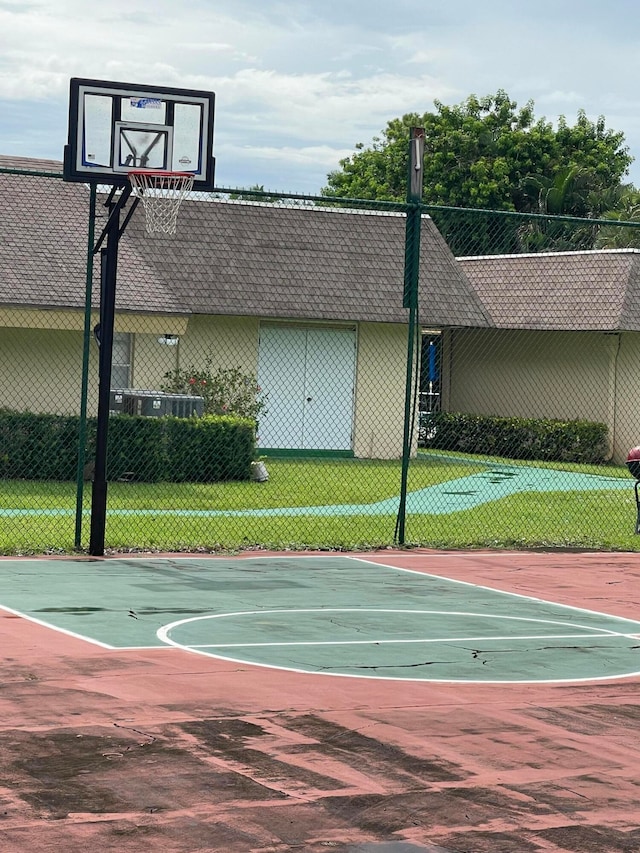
(299, 83)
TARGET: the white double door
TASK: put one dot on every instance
(308, 375)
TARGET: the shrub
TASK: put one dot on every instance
(228, 391)
(515, 438)
(45, 447)
(136, 450)
(209, 449)
(38, 447)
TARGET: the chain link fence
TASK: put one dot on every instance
(266, 391)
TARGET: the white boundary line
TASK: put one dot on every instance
(77, 636)
(164, 632)
(422, 641)
(60, 630)
(493, 589)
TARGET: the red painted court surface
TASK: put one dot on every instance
(388, 702)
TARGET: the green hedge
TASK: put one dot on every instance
(137, 448)
(515, 438)
(45, 447)
(38, 447)
(209, 449)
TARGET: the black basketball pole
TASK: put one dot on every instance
(104, 337)
(415, 171)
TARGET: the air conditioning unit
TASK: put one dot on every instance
(117, 400)
(185, 405)
(154, 404)
(148, 403)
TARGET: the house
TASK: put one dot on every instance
(306, 299)
(564, 341)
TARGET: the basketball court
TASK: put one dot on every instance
(389, 701)
(384, 702)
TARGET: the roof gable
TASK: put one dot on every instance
(588, 291)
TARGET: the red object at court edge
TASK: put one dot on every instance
(633, 462)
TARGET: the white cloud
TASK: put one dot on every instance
(312, 155)
(321, 106)
(299, 82)
(573, 99)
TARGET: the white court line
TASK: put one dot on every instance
(424, 680)
(482, 639)
(166, 642)
(163, 634)
(44, 624)
(493, 589)
(164, 631)
(418, 573)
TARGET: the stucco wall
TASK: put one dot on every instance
(626, 430)
(41, 370)
(380, 390)
(530, 373)
(232, 342)
(590, 375)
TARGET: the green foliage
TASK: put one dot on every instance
(199, 450)
(480, 232)
(488, 153)
(209, 449)
(516, 438)
(624, 207)
(566, 191)
(42, 447)
(227, 391)
(137, 448)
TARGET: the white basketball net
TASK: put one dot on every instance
(161, 194)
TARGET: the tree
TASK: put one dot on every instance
(254, 193)
(566, 192)
(488, 153)
(624, 207)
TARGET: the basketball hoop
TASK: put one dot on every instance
(161, 194)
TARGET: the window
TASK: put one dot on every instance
(121, 366)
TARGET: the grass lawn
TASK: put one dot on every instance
(175, 516)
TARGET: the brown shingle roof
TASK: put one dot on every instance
(42, 262)
(230, 258)
(30, 164)
(43, 251)
(305, 262)
(593, 290)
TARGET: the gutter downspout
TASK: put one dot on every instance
(612, 391)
